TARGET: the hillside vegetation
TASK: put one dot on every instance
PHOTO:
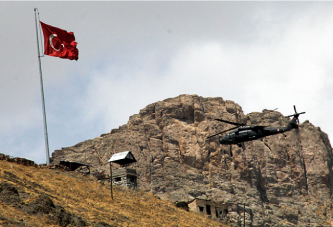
(31, 196)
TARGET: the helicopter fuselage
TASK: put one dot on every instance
(248, 133)
(242, 133)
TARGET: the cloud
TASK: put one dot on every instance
(290, 69)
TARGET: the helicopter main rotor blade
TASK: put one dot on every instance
(222, 132)
(229, 122)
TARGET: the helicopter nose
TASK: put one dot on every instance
(223, 140)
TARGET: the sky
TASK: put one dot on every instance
(261, 55)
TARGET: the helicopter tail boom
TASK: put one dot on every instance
(294, 122)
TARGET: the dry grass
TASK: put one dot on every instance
(91, 200)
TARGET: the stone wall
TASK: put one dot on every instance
(208, 208)
(21, 161)
(125, 177)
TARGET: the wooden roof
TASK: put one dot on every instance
(123, 158)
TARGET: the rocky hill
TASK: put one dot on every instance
(284, 180)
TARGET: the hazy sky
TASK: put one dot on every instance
(262, 55)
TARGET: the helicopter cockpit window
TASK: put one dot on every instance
(232, 135)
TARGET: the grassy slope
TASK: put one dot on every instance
(89, 199)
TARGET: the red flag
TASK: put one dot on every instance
(59, 42)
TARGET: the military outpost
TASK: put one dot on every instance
(124, 176)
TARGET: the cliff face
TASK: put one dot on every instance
(284, 179)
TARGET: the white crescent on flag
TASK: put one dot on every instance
(51, 43)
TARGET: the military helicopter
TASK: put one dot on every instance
(242, 133)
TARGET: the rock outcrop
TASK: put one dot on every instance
(10, 195)
(284, 179)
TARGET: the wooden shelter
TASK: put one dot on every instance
(74, 165)
(123, 176)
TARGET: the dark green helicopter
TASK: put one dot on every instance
(243, 133)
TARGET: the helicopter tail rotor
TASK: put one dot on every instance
(295, 115)
(295, 121)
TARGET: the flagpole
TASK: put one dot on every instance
(42, 94)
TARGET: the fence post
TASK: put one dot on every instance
(111, 180)
(244, 214)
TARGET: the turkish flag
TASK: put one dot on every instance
(59, 42)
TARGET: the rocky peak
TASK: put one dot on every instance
(284, 178)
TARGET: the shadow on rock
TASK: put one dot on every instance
(9, 193)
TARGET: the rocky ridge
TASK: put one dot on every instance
(284, 180)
